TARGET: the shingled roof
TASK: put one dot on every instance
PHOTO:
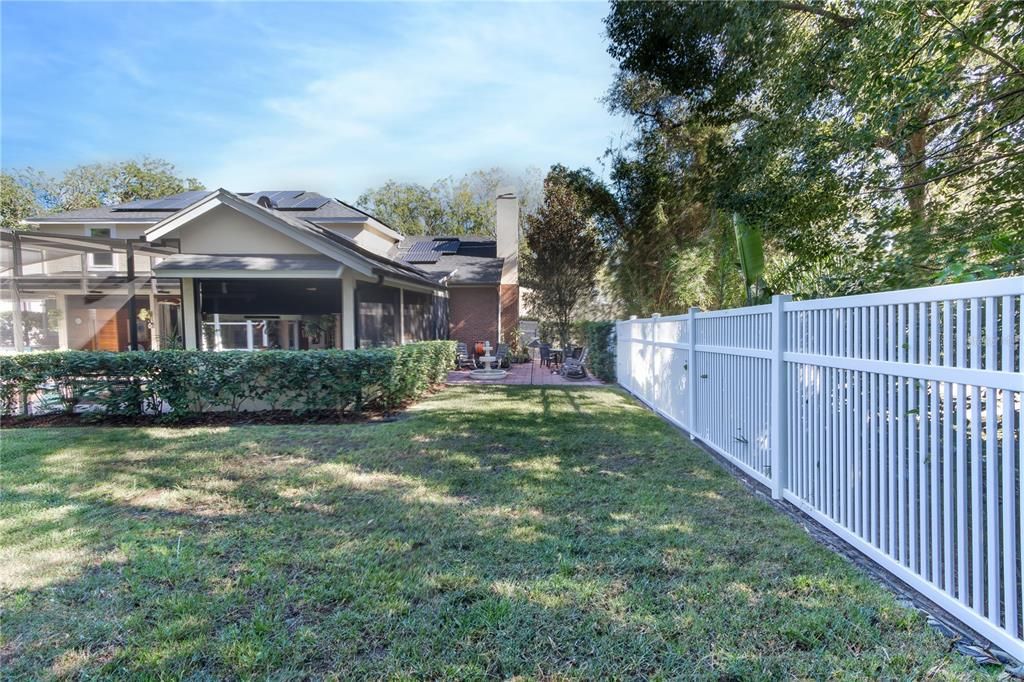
(473, 262)
(144, 211)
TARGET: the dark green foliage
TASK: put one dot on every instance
(100, 184)
(563, 255)
(186, 382)
(600, 339)
(874, 145)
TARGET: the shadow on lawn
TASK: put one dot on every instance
(498, 531)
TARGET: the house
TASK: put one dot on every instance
(216, 270)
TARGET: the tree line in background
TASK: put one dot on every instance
(869, 145)
(449, 206)
(28, 192)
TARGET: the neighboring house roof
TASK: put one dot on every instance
(463, 259)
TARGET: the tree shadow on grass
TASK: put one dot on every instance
(499, 531)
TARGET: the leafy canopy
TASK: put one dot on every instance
(563, 255)
(448, 207)
(99, 184)
(873, 144)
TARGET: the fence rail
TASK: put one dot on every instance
(894, 419)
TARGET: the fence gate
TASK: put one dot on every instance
(894, 419)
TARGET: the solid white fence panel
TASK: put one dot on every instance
(893, 418)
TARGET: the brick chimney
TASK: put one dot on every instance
(507, 232)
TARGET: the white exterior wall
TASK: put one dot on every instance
(363, 235)
(225, 231)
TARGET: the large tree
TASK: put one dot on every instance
(100, 184)
(875, 144)
(16, 202)
(562, 258)
(449, 206)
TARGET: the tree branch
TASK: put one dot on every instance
(949, 174)
(842, 20)
(984, 50)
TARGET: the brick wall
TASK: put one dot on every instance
(509, 311)
(473, 313)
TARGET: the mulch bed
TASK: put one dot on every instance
(200, 419)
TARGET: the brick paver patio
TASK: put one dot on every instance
(526, 373)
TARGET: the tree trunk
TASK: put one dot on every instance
(914, 174)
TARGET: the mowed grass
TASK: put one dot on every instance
(492, 532)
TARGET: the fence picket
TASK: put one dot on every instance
(894, 419)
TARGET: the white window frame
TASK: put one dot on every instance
(113, 256)
(249, 324)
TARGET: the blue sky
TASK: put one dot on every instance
(334, 97)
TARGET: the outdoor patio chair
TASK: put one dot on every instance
(462, 357)
(501, 356)
(545, 355)
(575, 367)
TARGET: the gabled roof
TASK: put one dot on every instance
(338, 247)
(307, 205)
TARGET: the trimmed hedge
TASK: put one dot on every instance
(172, 384)
(600, 339)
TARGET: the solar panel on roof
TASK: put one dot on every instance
(313, 203)
(275, 195)
(422, 252)
(137, 205)
(308, 202)
(172, 203)
(446, 247)
(177, 201)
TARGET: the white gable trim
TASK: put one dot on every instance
(222, 197)
(385, 230)
(210, 273)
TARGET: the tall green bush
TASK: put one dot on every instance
(600, 339)
(173, 384)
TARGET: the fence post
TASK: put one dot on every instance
(629, 366)
(779, 474)
(691, 373)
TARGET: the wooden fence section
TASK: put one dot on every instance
(894, 419)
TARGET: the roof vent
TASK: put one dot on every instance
(265, 202)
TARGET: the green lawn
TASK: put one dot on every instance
(491, 532)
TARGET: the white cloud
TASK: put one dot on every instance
(448, 90)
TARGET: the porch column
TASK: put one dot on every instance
(401, 316)
(348, 309)
(189, 314)
(62, 325)
(19, 328)
(155, 329)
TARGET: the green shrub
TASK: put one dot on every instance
(600, 339)
(172, 384)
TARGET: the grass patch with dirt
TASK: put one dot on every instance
(492, 532)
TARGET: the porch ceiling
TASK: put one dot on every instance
(200, 265)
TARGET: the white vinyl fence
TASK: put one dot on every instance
(894, 419)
